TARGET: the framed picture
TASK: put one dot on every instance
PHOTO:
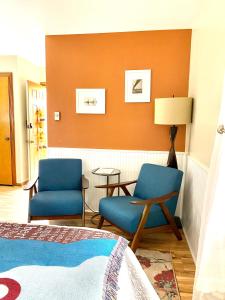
(137, 85)
(90, 101)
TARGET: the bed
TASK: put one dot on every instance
(60, 262)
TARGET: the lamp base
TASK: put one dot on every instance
(172, 159)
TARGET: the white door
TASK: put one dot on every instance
(36, 126)
(210, 267)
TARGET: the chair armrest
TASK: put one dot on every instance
(85, 183)
(157, 200)
(30, 184)
(115, 185)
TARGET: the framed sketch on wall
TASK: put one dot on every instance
(137, 85)
(90, 101)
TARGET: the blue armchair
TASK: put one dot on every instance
(151, 207)
(61, 190)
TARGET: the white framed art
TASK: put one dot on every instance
(137, 85)
(90, 101)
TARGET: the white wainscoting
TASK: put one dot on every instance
(193, 201)
(128, 161)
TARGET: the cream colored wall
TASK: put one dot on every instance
(207, 70)
(22, 71)
(206, 82)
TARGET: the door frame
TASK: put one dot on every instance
(11, 120)
(30, 86)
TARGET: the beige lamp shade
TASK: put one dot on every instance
(173, 111)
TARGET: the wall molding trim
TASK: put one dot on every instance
(189, 245)
(196, 176)
(21, 183)
(128, 161)
(197, 162)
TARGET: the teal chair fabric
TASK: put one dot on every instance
(153, 181)
(59, 189)
(60, 174)
(57, 203)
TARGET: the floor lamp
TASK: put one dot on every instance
(173, 111)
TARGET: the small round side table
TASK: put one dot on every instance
(107, 172)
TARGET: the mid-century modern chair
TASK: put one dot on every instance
(152, 205)
(61, 190)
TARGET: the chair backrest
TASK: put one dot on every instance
(60, 174)
(154, 181)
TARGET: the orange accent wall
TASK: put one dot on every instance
(100, 61)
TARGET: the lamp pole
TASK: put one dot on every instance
(172, 160)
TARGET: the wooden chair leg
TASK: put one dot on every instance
(140, 228)
(30, 194)
(28, 214)
(171, 221)
(101, 222)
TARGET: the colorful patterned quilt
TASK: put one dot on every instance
(51, 263)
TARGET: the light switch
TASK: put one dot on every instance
(57, 115)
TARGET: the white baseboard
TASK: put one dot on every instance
(189, 245)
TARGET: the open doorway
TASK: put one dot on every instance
(36, 126)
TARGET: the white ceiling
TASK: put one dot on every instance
(24, 23)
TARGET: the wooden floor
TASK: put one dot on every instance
(14, 207)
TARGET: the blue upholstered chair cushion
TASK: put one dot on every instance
(153, 181)
(56, 203)
(120, 212)
(60, 174)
